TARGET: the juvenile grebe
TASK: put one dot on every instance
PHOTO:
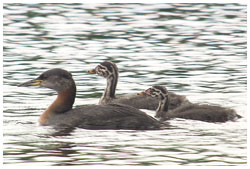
(109, 70)
(192, 111)
(60, 112)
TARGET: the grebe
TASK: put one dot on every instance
(60, 112)
(109, 70)
(202, 112)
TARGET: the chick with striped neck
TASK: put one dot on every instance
(194, 111)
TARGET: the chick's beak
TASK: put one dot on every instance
(34, 82)
(141, 94)
(92, 71)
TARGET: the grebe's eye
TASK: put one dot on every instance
(42, 77)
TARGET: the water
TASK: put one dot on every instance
(197, 50)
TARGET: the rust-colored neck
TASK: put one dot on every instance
(62, 104)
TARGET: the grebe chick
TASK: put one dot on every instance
(109, 70)
(60, 112)
(202, 112)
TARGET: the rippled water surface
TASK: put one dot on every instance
(197, 50)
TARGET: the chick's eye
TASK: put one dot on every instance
(152, 90)
(100, 69)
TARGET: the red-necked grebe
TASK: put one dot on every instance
(60, 112)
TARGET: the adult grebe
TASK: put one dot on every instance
(60, 112)
(109, 70)
(192, 111)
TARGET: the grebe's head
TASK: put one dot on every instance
(56, 79)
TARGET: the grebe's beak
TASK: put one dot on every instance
(34, 82)
(92, 71)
